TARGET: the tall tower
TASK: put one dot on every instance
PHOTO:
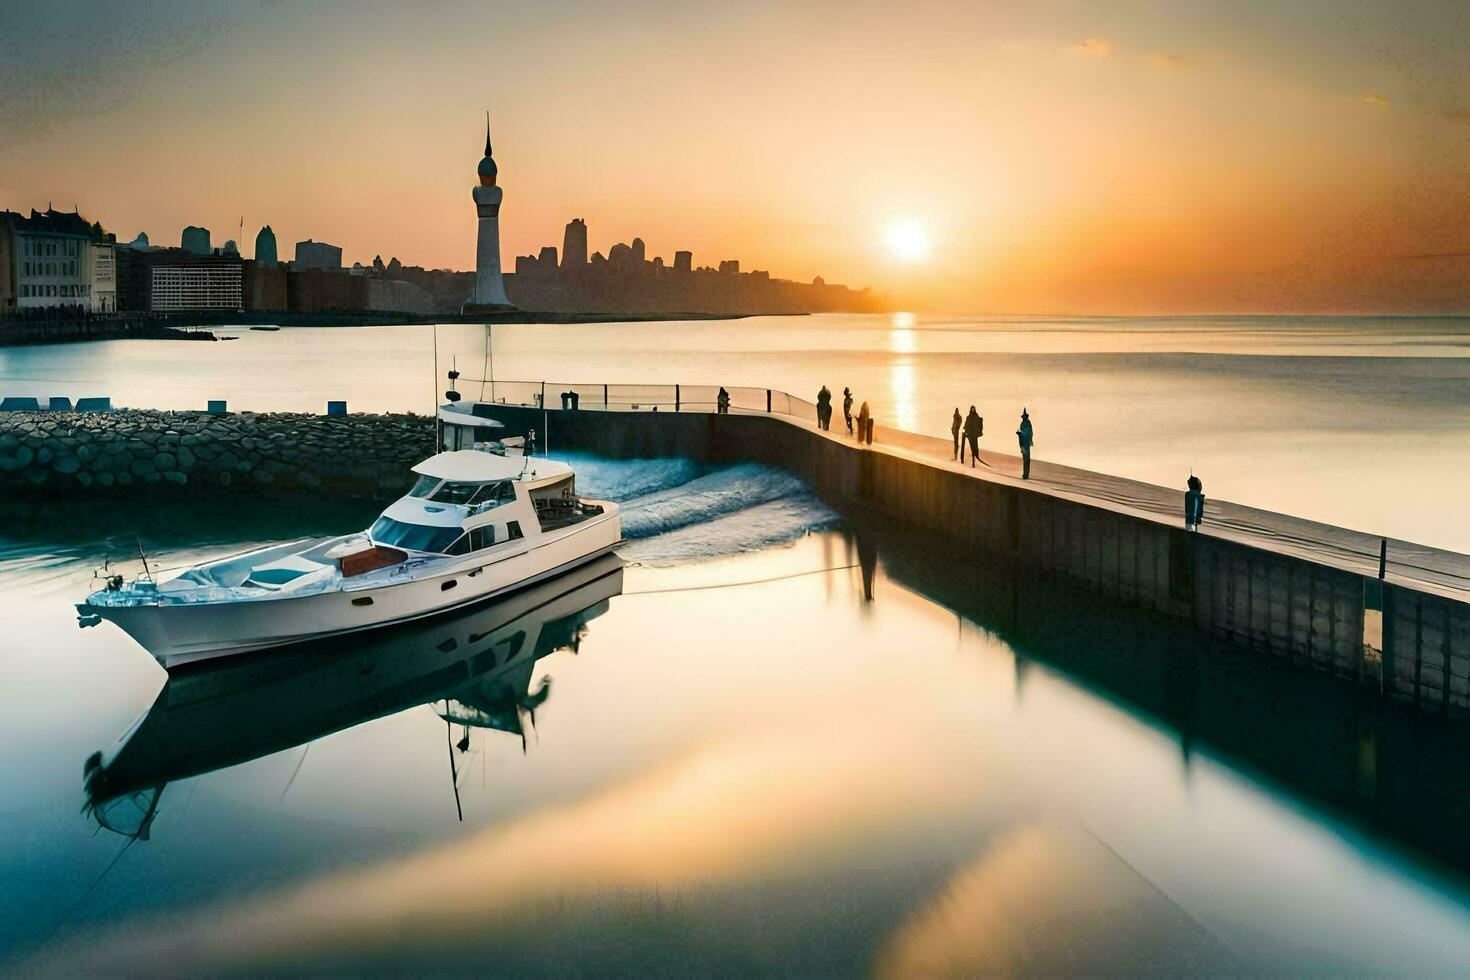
(489, 288)
(574, 245)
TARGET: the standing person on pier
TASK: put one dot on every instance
(1194, 504)
(1023, 436)
(847, 408)
(824, 409)
(863, 416)
(954, 430)
(722, 402)
(974, 429)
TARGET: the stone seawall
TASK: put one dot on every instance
(182, 454)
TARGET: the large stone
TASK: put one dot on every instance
(174, 476)
(165, 461)
(105, 479)
(66, 464)
(44, 454)
(139, 467)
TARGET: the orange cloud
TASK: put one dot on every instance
(1091, 47)
(1377, 101)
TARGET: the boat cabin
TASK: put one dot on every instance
(464, 501)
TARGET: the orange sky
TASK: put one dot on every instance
(1060, 157)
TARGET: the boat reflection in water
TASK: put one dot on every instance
(478, 663)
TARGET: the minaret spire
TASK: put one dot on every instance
(487, 132)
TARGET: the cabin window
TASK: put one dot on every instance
(483, 495)
(461, 546)
(423, 486)
(513, 531)
(482, 537)
(413, 537)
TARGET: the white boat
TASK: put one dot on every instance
(475, 524)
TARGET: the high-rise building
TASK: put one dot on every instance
(318, 255)
(574, 245)
(196, 240)
(265, 248)
(639, 250)
(683, 261)
(489, 290)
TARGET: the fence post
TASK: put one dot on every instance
(676, 398)
(543, 396)
(768, 401)
(604, 398)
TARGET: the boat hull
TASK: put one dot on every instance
(181, 634)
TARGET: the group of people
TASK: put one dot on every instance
(972, 426)
(824, 413)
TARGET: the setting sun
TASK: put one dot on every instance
(908, 240)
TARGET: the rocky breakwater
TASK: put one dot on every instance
(55, 454)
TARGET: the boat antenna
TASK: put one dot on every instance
(453, 775)
(143, 557)
(486, 367)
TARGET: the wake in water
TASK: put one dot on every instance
(678, 510)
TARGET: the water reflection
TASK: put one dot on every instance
(478, 663)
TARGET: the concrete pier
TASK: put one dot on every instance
(1308, 593)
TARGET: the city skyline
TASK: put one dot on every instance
(1058, 159)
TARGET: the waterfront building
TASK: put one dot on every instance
(683, 261)
(265, 248)
(140, 244)
(102, 269)
(196, 240)
(730, 267)
(46, 258)
(489, 290)
(230, 248)
(574, 245)
(197, 285)
(639, 251)
(318, 255)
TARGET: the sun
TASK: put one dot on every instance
(908, 240)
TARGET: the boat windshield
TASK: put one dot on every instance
(475, 493)
(423, 486)
(413, 537)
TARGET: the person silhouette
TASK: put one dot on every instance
(864, 416)
(1194, 504)
(528, 448)
(722, 402)
(1024, 437)
(954, 430)
(824, 409)
(974, 429)
(847, 408)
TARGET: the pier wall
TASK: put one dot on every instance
(1304, 612)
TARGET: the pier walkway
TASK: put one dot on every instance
(1421, 567)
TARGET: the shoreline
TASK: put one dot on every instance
(174, 326)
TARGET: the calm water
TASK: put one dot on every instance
(1363, 423)
(725, 758)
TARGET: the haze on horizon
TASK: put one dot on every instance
(1053, 157)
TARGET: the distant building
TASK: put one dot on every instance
(173, 279)
(196, 240)
(46, 260)
(683, 261)
(574, 245)
(198, 286)
(318, 255)
(230, 248)
(265, 248)
(102, 268)
(139, 244)
(639, 250)
(730, 267)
